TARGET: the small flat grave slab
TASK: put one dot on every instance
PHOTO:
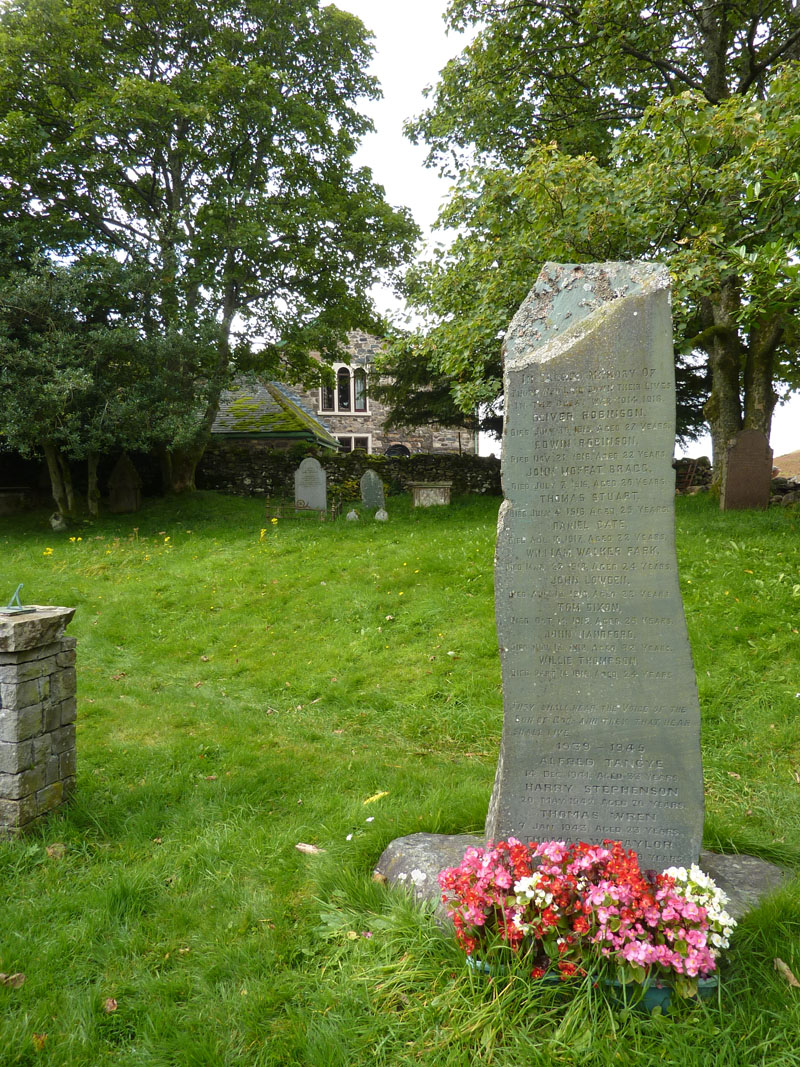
(372, 491)
(748, 479)
(310, 483)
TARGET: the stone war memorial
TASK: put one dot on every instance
(601, 735)
(601, 730)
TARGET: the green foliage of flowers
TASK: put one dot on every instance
(240, 695)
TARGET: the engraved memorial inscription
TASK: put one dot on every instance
(601, 727)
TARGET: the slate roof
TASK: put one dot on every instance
(259, 409)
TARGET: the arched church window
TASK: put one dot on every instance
(359, 389)
(343, 389)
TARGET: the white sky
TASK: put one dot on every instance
(411, 47)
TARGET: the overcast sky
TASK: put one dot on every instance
(411, 47)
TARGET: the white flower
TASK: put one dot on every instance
(678, 873)
(418, 876)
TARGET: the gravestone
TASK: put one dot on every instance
(748, 472)
(601, 734)
(601, 737)
(429, 494)
(372, 492)
(309, 485)
(125, 487)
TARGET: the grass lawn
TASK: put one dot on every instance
(243, 689)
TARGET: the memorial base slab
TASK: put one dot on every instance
(415, 862)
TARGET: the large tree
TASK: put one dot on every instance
(208, 143)
(79, 377)
(580, 130)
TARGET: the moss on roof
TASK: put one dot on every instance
(264, 409)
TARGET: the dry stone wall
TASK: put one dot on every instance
(251, 468)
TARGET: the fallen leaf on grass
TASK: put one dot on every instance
(377, 796)
(733, 774)
(204, 659)
(109, 1005)
(784, 970)
(38, 1041)
(309, 850)
(379, 878)
(115, 678)
(197, 685)
(211, 777)
(56, 850)
(14, 980)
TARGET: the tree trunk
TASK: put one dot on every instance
(759, 393)
(178, 466)
(723, 408)
(93, 492)
(66, 479)
(63, 497)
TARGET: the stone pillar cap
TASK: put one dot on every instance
(33, 629)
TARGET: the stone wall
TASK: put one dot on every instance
(37, 716)
(250, 468)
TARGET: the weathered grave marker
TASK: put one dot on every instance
(601, 735)
(125, 487)
(748, 472)
(310, 485)
(372, 491)
(429, 494)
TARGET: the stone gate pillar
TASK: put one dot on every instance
(37, 716)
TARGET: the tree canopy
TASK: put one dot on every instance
(207, 144)
(602, 130)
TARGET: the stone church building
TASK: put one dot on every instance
(343, 414)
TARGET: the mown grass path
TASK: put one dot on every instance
(245, 686)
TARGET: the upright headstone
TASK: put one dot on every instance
(601, 734)
(372, 492)
(309, 485)
(748, 472)
(125, 487)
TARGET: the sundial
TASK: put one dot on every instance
(14, 607)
